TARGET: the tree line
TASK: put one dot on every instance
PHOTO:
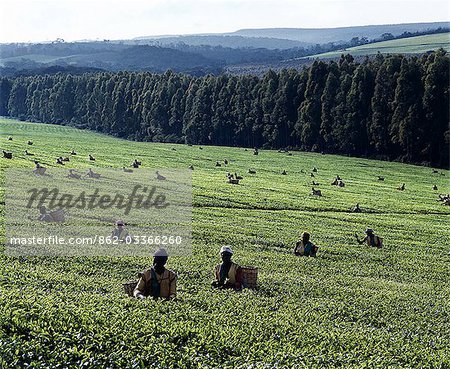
(389, 107)
(356, 41)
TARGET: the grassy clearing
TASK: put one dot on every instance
(351, 307)
(411, 45)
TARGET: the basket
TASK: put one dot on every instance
(249, 277)
(40, 171)
(129, 287)
(58, 215)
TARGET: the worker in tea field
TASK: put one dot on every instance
(371, 239)
(304, 247)
(227, 273)
(120, 233)
(45, 215)
(157, 282)
(357, 209)
(51, 216)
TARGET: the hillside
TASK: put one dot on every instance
(351, 306)
(410, 45)
(340, 34)
(232, 41)
(105, 56)
(198, 54)
(284, 38)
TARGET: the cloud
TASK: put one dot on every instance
(35, 20)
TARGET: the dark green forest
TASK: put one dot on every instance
(388, 107)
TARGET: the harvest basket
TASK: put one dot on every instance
(249, 277)
(129, 287)
(58, 215)
(40, 170)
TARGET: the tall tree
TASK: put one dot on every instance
(5, 91)
(17, 98)
(436, 106)
(382, 105)
(328, 100)
(309, 120)
(407, 117)
(269, 90)
(358, 109)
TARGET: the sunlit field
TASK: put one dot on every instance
(350, 307)
(409, 45)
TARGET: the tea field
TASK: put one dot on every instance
(410, 45)
(351, 307)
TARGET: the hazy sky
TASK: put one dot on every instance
(43, 20)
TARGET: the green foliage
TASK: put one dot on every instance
(377, 108)
(350, 307)
(310, 110)
(435, 101)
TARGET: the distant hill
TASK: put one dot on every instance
(106, 56)
(125, 55)
(224, 41)
(214, 54)
(340, 34)
(410, 45)
(285, 38)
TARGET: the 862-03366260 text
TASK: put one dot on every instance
(99, 240)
